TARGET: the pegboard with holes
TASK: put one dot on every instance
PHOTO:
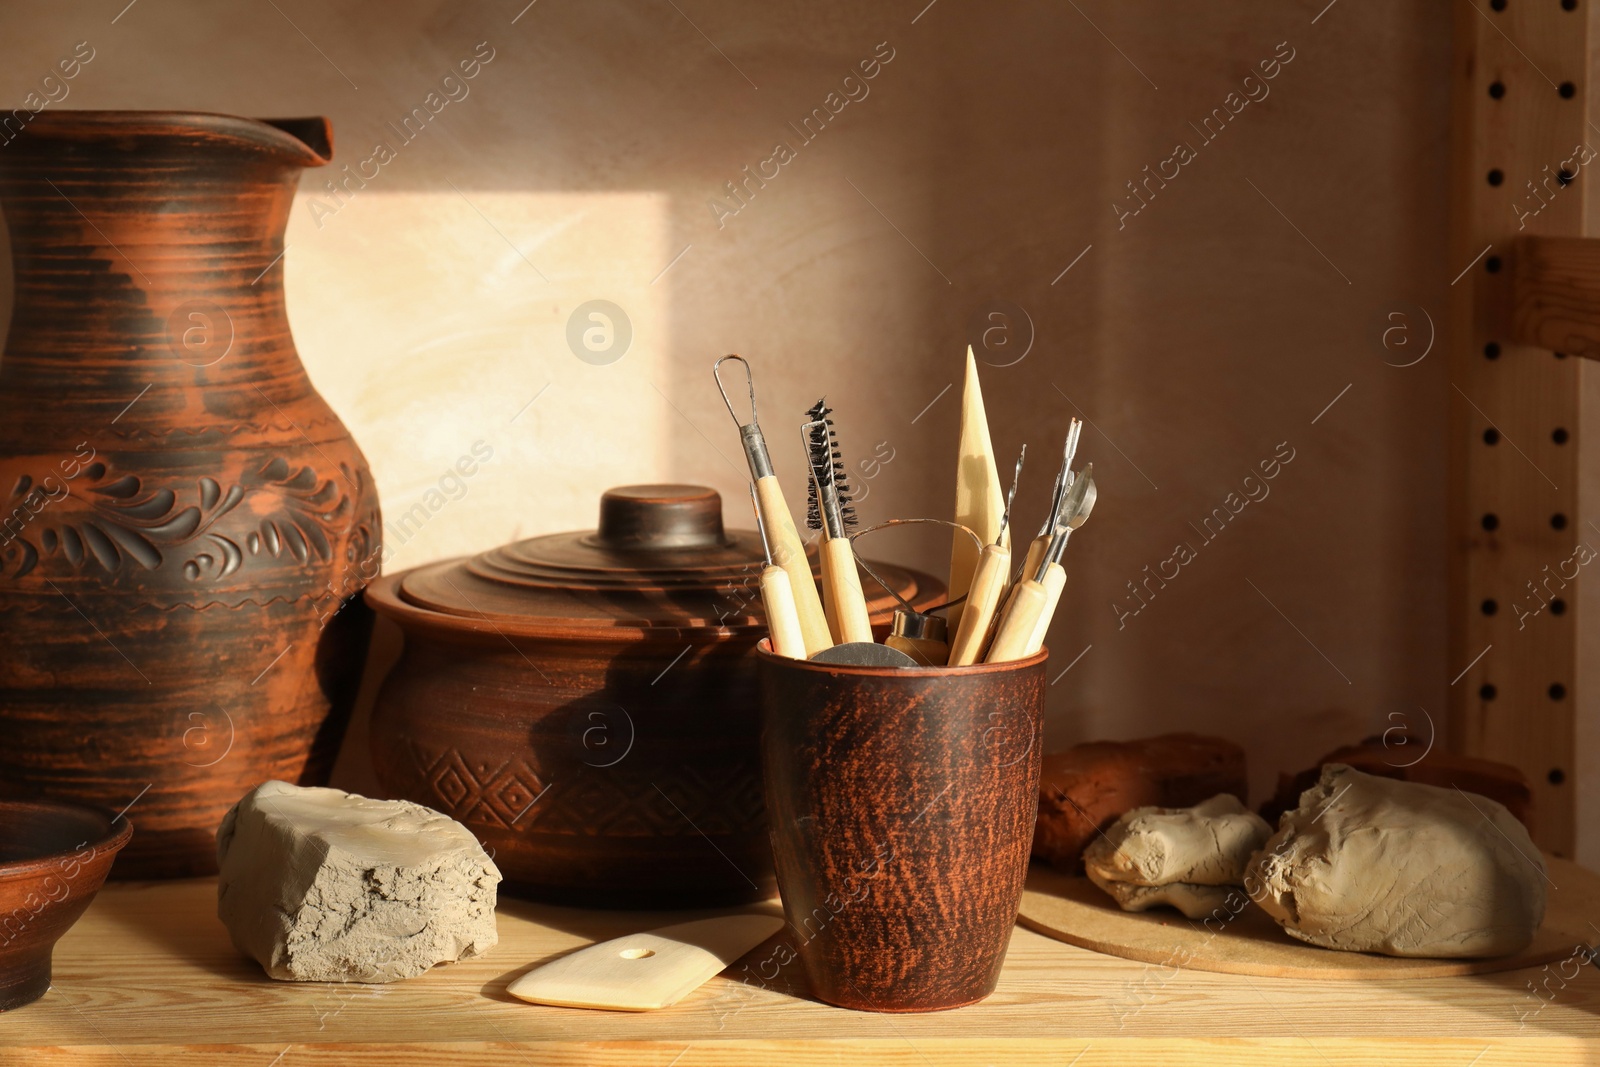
(1521, 510)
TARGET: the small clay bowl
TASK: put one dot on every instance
(53, 859)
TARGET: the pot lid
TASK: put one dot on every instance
(660, 558)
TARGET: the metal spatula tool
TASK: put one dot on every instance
(1054, 575)
(1029, 609)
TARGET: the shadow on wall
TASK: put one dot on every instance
(847, 197)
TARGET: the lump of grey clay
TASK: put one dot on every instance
(1195, 901)
(320, 885)
(1187, 858)
(1208, 844)
(1372, 864)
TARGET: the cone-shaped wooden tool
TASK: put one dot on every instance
(980, 503)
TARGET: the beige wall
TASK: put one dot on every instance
(1197, 336)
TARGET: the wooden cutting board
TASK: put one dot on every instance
(1070, 908)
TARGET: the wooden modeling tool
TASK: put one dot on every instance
(979, 504)
(1029, 599)
(645, 971)
(1055, 576)
(988, 583)
(777, 595)
(787, 550)
(829, 510)
(1041, 543)
(1054, 581)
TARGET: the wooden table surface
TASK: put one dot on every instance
(148, 976)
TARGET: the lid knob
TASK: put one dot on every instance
(634, 517)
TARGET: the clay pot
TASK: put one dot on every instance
(902, 805)
(53, 859)
(586, 703)
(181, 515)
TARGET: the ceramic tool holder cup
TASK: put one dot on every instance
(902, 805)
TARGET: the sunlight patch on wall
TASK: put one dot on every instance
(431, 322)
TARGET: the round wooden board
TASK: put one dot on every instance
(1070, 908)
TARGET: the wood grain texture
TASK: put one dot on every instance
(843, 597)
(979, 495)
(1555, 294)
(148, 973)
(1511, 471)
(1019, 619)
(902, 804)
(789, 552)
(1055, 583)
(184, 516)
(983, 600)
(783, 617)
(1239, 938)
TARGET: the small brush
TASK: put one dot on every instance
(787, 550)
(777, 595)
(988, 583)
(828, 510)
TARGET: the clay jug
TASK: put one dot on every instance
(182, 517)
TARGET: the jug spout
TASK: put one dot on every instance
(149, 231)
(314, 133)
(304, 142)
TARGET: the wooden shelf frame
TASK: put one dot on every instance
(1523, 477)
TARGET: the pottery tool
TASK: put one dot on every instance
(645, 971)
(828, 509)
(788, 551)
(777, 595)
(1055, 575)
(988, 583)
(1030, 600)
(1041, 543)
(864, 654)
(979, 504)
(921, 635)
